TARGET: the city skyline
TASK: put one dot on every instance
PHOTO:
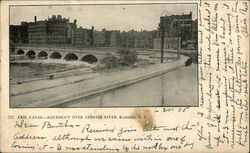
(109, 17)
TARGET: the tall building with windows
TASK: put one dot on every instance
(54, 31)
(82, 37)
(115, 38)
(19, 33)
(128, 39)
(182, 27)
(99, 38)
(176, 26)
(145, 39)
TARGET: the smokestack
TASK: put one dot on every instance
(35, 19)
(59, 17)
(92, 36)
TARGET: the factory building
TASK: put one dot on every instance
(176, 27)
(19, 33)
(53, 31)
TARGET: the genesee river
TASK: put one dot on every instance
(24, 71)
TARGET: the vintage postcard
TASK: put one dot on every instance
(124, 76)
(91, 58)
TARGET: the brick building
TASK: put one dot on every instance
(169, 43)
(99, 38)
(145, 39)
(81, 37)
(59, 31)
(54, 31)
(194, 31)
(115, 38)
(176, 27)
(19, 33)
(128, 39)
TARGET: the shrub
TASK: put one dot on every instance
(127, 57)
(110, 61)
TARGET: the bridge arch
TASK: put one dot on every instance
(90, 59)
(31, 54)
(56, 55)
(42, 54)
(20, 52)
(71, 57)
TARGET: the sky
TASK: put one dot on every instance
(110, 17)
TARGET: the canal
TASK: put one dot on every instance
(175, 88)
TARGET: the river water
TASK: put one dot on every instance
(40, 68)
(175, 88)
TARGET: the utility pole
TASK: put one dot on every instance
(162, 42)
(178, 47)
(127, 43)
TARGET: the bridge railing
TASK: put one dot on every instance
(53, 47)
(18, 57)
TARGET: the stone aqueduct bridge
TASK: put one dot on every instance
(90, 55)
(83, 54)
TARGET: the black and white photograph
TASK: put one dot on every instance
(103, 55)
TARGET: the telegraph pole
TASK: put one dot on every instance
(178, 47)
(162, 42)
(127, 43)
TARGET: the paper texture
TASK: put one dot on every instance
(220, 123)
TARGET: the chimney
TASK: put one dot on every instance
(92, 36)
(35, 19)
(59, 17)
